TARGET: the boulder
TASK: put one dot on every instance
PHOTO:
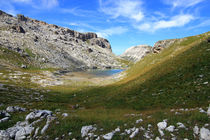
(90, 35)
(23, 66)
(4, 114)
(86, 129)
(38, 114)
(21, 17)
(15, 109)
(162, 44)
(204, 134)
(23, 132)
(109, 136)
(18, 29)
(4, 119)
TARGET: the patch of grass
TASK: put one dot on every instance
(29, 52)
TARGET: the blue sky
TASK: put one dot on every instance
(124, 23)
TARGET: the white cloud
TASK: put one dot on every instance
(111, 31)
(125, 8)
(78, 12)
(183, 3)
(176, 21)
(49, 3)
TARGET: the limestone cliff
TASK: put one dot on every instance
(136, 53)
(54, 46)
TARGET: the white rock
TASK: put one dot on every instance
(205, 83)
(23, 133)
(206, 125)
(86, 129)
(141, 128)
(134, 133)
(65, 115)
(15, 109)
(4, 114)
(49, 120)
(170, 128)
(161, 132)
(181, 125)
(174, 138)
(196, 130)
(162, 125)
(128, 131)
(4, 119)
(70, 133)
(138, 121)
(4, 135)
(108, 136)
(204, 134)
(36, 131)
(146, 135)
(201, 110)
(157, 138)
(208, 111)
(38, 114)
(149, 125)
(117, 129)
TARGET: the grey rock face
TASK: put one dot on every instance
(160, 45)
(52, 46)
(136, 53)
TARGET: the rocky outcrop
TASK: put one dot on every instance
(52, 46)
(160, 45)
(25, 129)
(136, 53)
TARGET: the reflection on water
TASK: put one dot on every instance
(104, 72)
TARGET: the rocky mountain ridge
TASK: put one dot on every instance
(136, 53)
(49, 45)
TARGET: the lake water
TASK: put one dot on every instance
(108, 72)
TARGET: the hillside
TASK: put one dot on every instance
(163, 96)
(50, 46)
